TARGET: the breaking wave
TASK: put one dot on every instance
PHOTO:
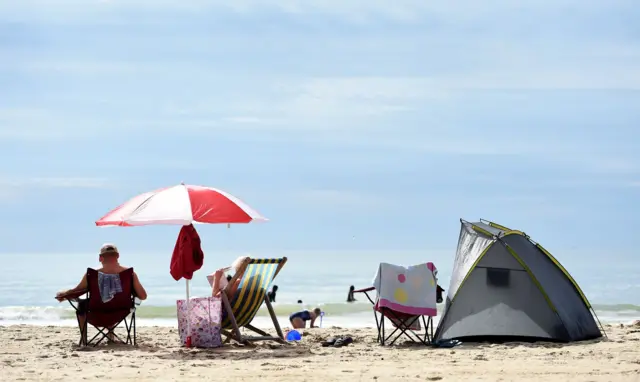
(27, 314)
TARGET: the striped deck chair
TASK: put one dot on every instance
(240, 310)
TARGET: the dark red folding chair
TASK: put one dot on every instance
(106, 316)
(403, 323)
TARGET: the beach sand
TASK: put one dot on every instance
(30, 353)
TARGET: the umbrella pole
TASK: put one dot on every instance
(188, 344)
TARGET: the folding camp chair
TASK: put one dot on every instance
(105, 317)
(407, 319)
(239, 311)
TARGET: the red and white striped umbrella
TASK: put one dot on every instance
(181, 204)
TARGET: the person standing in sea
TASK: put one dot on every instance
(272, 295)
(350, 297)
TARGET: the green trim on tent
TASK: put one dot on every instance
(509, 231)
(473, 266)
(533, 278)
(498, 226)
(481, 230)
(557, 263)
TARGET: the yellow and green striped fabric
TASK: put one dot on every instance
(250, 294)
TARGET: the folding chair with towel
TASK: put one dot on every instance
(405, 296)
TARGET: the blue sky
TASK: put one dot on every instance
(352, 125)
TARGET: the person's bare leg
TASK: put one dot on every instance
(298, 323)
(112, 337)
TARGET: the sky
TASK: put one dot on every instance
(351, 125)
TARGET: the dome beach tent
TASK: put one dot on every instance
(506, 286)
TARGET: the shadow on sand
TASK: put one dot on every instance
(227, 352)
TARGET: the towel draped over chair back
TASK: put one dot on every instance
(118, 307)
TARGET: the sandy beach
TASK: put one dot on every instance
(31, 353)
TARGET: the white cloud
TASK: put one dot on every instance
(613, 165)
(8, 194)
(245, 120)
(80, 68)
(366, 88)
(342, 99)
(359, 11)
(335, 102)
(339, 103)
(595, 168)
(55, 182)
(344, 198)
(12, 189)
(361, 110)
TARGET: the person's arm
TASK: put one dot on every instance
(313, 320)
(219, 282)
(138, 288)
(234, 288)
(80, 287)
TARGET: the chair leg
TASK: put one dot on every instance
(274, 318)
(404, 329)
(428, 330)
(83, 331)
(382, 336)
(106, 332)
(133, 317)
(426, 338)
(128, 326)
(102, 337)
(228, 336)
(403, 326)
(232, 318)
(256, 330)
(375, 315)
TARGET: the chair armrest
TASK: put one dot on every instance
(364, 290)
(73, 295)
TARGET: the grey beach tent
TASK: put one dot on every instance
(505, 286)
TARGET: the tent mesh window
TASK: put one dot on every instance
(498, 277)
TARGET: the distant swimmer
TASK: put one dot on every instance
(272, 294)
(350, 297)
(299, 301)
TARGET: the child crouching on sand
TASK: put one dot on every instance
(299, 319)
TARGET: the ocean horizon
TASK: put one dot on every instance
(318, 278)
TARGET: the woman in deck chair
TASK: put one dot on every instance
(109, 283)
(219, 282)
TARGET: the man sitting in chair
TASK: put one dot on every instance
(109, 282)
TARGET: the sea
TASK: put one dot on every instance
(318, 278)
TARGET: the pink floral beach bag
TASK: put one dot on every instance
(203, 319)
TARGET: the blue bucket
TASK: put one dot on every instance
(294, 335)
